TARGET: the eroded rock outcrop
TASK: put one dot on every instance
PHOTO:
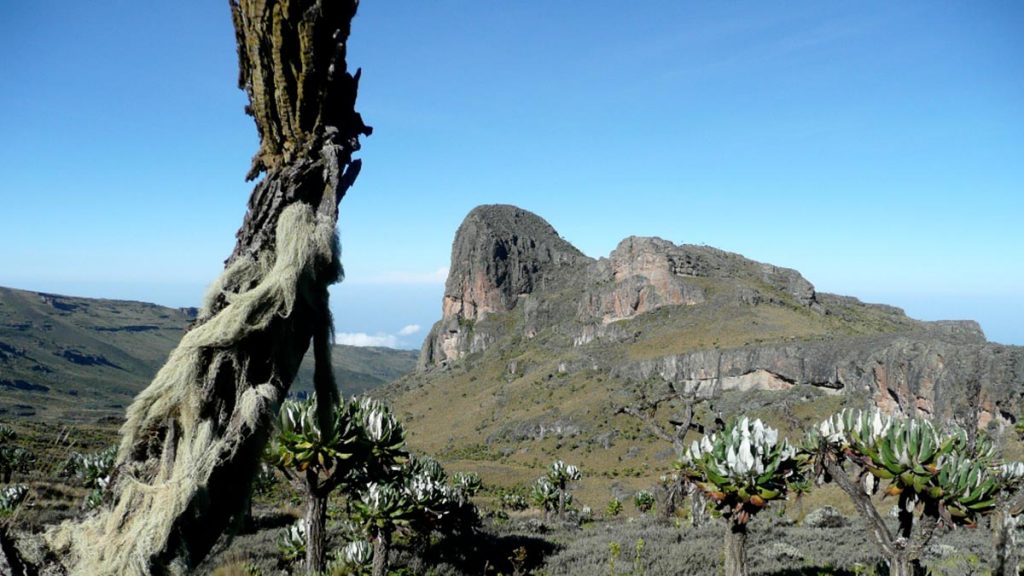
(513, 278)
(500, 254)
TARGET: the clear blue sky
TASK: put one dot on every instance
(876, 147)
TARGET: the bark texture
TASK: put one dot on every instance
(736, 549)
(1004, 542)
(193, 438)
(381, 548)
(316, 531)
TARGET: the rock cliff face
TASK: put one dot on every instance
(500, 255)
(643, 274)
(703, 318)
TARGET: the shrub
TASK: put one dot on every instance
(614, 507)
(644, 501)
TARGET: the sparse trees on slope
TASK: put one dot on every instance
(935, 475)
(681, 404)
(741, 469)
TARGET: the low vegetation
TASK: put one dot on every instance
(917, 488)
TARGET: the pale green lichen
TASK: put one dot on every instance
(121, 541)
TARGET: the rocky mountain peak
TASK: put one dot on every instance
(699, 317)
(500, 253)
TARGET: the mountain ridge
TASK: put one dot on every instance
(80, 359)
(506, 260)
(535, 352)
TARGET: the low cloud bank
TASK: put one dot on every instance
(363, 339)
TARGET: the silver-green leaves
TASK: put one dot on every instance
(743, 467)
(921, 462)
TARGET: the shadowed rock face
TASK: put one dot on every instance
(500, 254)
(513, 278)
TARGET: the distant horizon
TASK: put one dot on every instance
(348, 300)
(874, 147)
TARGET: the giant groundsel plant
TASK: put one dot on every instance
(939, 476)
(741, 469)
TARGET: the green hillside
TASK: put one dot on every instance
(82, 359)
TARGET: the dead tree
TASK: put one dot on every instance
(681, 403)
(191, 441)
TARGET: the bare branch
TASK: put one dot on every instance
(862, 502)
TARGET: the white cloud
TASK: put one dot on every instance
(364, 339)
(409, 330)
(403, 277)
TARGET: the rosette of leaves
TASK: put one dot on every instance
(93, 471)
(427, 488)
(921, 463)
(1006, 518)
(15, 459)
(546, 495)
(939, 475)
(514, 502)
(644, 501)
(292, 542)
(318, 451)
(7, 434)
(560, 473)
(384, 436)
(457, 512)
(1011, 474)
(743, 468)
(265, 480)
(354, 559)
(965, 486)
(301, 443)
(11, 496)
(467, 485)
(381, 510)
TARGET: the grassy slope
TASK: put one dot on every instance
(79, 359)
(478, 416)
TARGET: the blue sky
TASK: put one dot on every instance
(876, 147)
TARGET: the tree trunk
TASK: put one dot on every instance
(316, 530)
(875, 524)
(736, 549)
(381, 546)
(905, 561)
(903, 565)
(1004, 541)
(192, 440)
(698, 507)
